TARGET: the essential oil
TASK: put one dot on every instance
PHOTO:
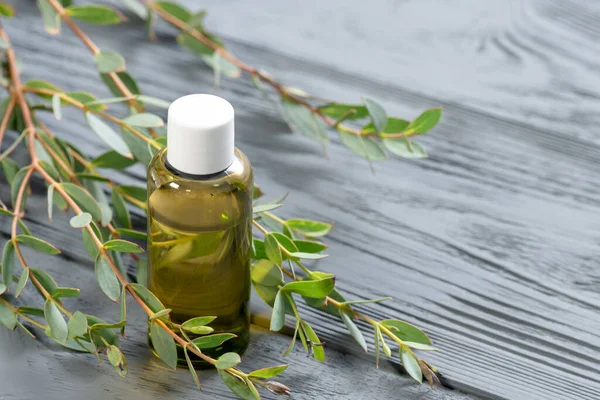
(199, 221)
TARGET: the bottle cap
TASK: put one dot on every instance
(200, 134)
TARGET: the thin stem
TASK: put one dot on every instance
(25, 317)
(6, 117)
(13, 146)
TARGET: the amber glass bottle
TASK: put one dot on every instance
(199, 221)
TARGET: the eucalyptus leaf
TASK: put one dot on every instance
(127, 79)
(266, 273)
(228, 360)
(160, 314)
(7, 10)
(37, 244)
(316, 345)
(83, 199)
(50, 199)
(136, 7)
(81, 220)
(259, 208)
(148, 297)
(302, 119)
(114, 160)
(163, 344)
(337, 111)
(56, 321)
(197, 322)
(267, 373)
(65, 292)
(34, 311)
(308, 256)
(212, 341)
(56, 106)
(377, 114)
(50, 17)
(94, 14)
(306, 246)
(123, 246)
(144, 120)
(237, 385)
(3, 288)
(309, 228)
(278, 315)
(272, 249)
(311, 288)
(16, 186)
(174, 9)
(45, 280)
(77, 325)
(363, 146)
(404, 147)
(406, 331)
(8, 263)
(109, 61)
(132, 233)
(154, 101)
(354, 331)
(121, 212)
(107, 134)
(426, 121)
(7, 316)
(106, 278)
(411, 365)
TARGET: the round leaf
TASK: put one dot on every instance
(411, 365)
(406, 331)
(163, 344)
(37, 244)
(81, 220)
(107, 279)
(228, 360)
(94, 14)
(55, 320)
(109, 61)
(144, 120)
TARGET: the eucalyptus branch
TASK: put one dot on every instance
(318, 290)
(371, 141)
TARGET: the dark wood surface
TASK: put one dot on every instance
(490, 245)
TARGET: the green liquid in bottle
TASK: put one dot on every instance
(199, 247)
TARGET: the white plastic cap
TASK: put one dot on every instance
(200, 134)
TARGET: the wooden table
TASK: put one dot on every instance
(490, 245)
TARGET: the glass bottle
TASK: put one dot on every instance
(199, 221)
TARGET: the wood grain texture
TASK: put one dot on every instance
(489, 245)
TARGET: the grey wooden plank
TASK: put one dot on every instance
(489, 244)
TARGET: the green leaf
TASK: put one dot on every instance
(22, 282)
(337, 111)
(421, 346)
(83, 199)
(154, 101)
(127, 79)
(316, 344)
(354, 331)
(278, 315)
(426, 121)
(94, 14)
(237, 385)
(121, 212)
(306, 246)
(87, 99)
(285, 242)
(144, 120)
(136, 192)
(406, 331)
(8, 263)
(221, 66)
(50, 198)
(376, 338)
(136, 7)
(3, 287)
(44, 279)
(109, 61)
(7, 316)
(266, 273)
(132, 233)
(272, 249)
(189, 42)
(37, 244)
(141, 271)
(302, 119)
(311, 288)
(88, 242)
(269, 372)
(7, 10)
(81, 220)
(123, 246)
(36, 312)
(107, 279)
(50, 17)
(61, 292)
(112, 159)
(191, 325)
(148, 297)
(123, 308)
(395, 125)
(212, 341)
(228, 360)
(56, 106)
(191, 368)
(308, 256)
(91, 177)
(411, 365)
(377, 113)
(309, 228)
(258, 249)
(11, 168)
(160, 314)
(107, 134)
(117, 360)
(77, 325)
(163, 344)
(363, 146)
(174, 9)
(57, 323)
(15, 187)
(404, 147)
(259, 208)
